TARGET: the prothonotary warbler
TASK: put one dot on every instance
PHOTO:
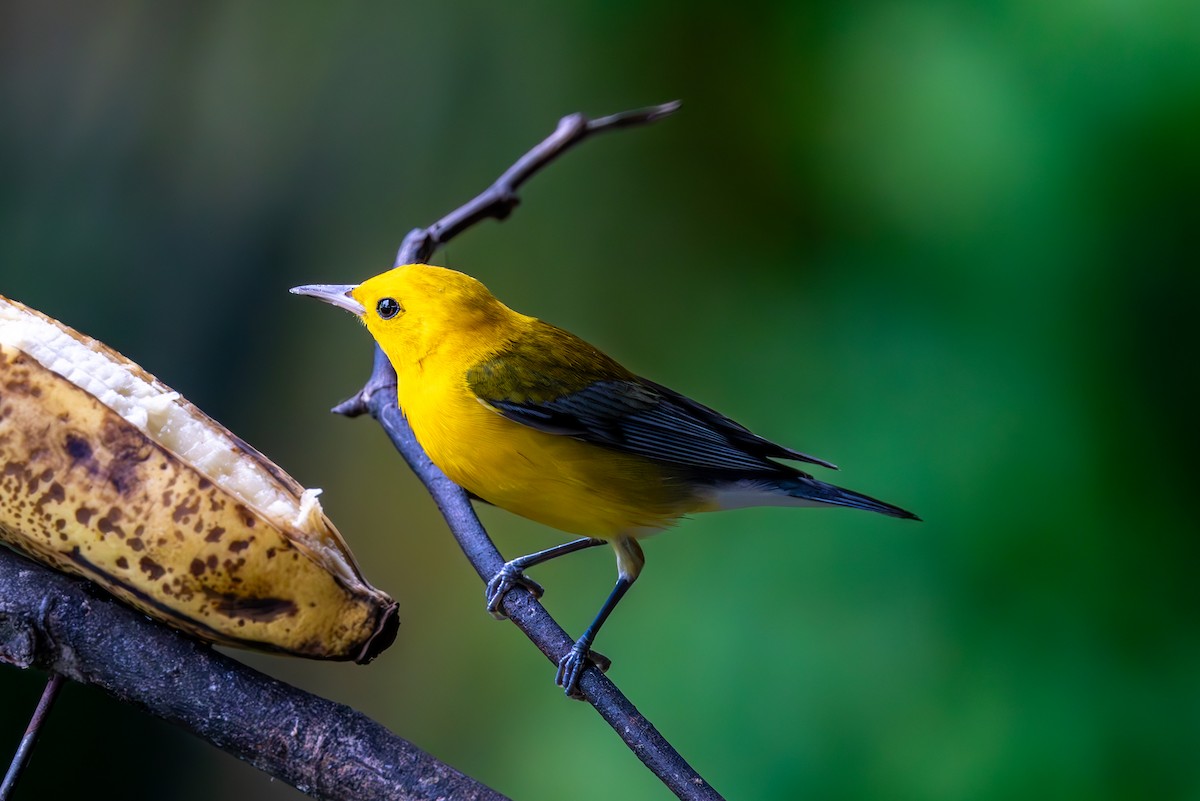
(533, 419)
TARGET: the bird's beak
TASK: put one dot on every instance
(333, 294)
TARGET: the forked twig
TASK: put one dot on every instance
(378, 399)
(499, 199)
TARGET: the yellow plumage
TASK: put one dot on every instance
(537, 421)
(562, 482)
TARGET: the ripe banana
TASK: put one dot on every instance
(107, 473)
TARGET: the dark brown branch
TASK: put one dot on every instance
(378, 398)
(58, 623)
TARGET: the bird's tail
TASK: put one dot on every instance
(795, 490)
(806, 489)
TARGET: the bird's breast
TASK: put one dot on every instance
(559, 481)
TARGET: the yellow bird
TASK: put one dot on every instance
(535, 420)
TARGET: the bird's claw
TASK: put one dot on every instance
(505, 579)
(571, 667)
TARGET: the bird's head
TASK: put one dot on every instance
(411, 310)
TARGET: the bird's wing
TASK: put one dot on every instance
(586, 395)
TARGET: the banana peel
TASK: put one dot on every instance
(107, 473)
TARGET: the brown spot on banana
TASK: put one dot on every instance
(107, 473)
(265, 609)
(151, 568)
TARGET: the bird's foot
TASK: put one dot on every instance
(571, 667)
(505, 579)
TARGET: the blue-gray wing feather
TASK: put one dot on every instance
(643, 418)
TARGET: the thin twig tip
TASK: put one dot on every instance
(638, 116)
(663, 110)
(352, 406)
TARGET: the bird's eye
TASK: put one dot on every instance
(388, 308)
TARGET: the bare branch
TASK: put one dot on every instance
(59, 623)
(499, 199)
(378, 398)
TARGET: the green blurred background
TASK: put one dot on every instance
(951, 247)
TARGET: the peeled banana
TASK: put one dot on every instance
(107, 473)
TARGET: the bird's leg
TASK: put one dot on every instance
(630, 561)
(571, 666)
(513, 572)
